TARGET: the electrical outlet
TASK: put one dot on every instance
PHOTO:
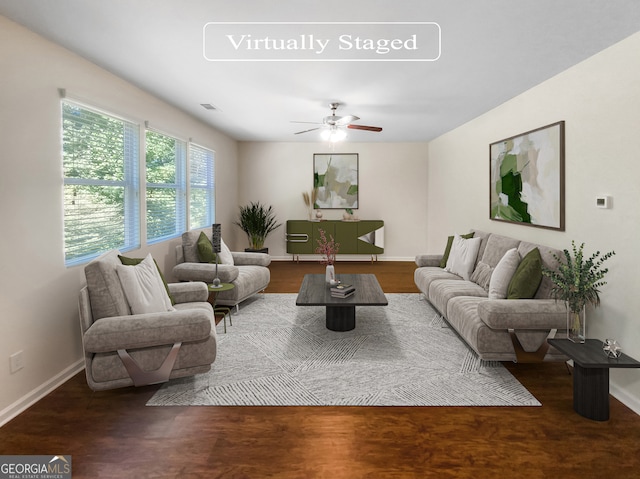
(16, 362)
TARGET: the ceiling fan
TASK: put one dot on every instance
(333, 125)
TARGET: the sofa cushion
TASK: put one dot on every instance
(424, 276)
(447, 249)
(527, 277)
(105, 291)
(190, 247)
(148, 330)
(548, 261)
(442, 290)
(463, 255)
(134, 261)
(502, 274)
(205, 249)
(251, 279)
(143, 287)
(225, 254)
(496, 248)
(482, 275)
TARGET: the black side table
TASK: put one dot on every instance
(591, 375)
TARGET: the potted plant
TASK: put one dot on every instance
(257, 221)
(576, 281)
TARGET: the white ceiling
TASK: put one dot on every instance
(492, 50)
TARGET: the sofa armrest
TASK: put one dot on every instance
(428, 260)
(247, 258)
(189, 292)
(522, 314)
(205, 272)
(147, 330)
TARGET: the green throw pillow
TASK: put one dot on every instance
(205, 249)
(527, 278)
(134, 261)
(447, 250)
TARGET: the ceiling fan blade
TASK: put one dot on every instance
(345, 120)
(364, 127)
(305, 131)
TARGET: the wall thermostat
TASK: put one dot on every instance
(603, 202)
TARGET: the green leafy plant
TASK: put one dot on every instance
(578, 280)
(257, 221)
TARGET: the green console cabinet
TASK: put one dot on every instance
(355, 237)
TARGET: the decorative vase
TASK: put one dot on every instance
(576, 325)
(318, 215)
(330, 274)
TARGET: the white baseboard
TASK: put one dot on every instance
(25, 402)
(625, 398)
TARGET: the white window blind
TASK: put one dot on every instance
(166, 186)
(100, 155)
(202, 187)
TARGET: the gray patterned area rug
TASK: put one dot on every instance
(404, 354)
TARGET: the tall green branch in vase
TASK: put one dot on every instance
(578, 280)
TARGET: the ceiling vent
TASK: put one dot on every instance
(208, 106)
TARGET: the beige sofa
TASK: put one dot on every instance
(487, 324)
(248, 272)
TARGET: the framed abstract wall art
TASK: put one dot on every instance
(335, 178)
(527, 178)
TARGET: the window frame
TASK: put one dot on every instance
(179, 185)
(130, 183)
(209, 188)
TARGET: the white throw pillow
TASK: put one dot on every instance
(225, 254)
(143, 287)
(502, 274)
(462, 258)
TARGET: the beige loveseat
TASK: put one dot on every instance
(486, 324)
(248, 272)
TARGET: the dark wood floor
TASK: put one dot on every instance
(113, 435)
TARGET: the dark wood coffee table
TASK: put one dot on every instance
(341, 312)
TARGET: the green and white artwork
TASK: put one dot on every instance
(527, 178)
(335, 178)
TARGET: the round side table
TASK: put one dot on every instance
(221, 309)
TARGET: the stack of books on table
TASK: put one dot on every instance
(342, 290)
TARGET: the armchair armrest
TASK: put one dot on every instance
(523, 314)
(246, 258)
(147, 330)
(205, 272)
(190, 292)
(428, 260)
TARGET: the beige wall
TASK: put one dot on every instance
(38, 294)
(391, 180)
(599, 100)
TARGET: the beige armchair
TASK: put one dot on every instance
(122, 348)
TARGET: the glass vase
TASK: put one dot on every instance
(576, 325)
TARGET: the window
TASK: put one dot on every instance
(201, 183)
(166, 186)
(100, 156)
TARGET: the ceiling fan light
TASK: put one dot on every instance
(333, 135)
